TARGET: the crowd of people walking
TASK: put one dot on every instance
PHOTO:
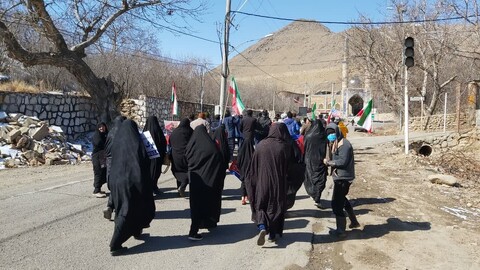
(274, 159)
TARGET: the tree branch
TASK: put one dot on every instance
(125, 8)
(51, 30)
(448, 81)
(17, 52)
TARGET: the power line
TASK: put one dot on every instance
(352, 23)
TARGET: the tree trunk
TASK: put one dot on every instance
(101, 90)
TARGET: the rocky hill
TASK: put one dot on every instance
(302, 54)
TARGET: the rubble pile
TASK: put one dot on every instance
(27, 141)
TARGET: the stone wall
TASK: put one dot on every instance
(450, 140)
(436, 122)
(74, 114)
(77, 115)
(139, 109)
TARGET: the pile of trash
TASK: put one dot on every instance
(28, 141)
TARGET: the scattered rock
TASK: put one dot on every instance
(28, 141)
(40, 133)
(444, 179)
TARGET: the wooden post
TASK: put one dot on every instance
(459, 87)
(471, 107)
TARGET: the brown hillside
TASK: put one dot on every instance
(302, 55)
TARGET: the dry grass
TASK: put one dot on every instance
(19, 87)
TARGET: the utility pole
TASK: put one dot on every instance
(274, 94)
(445, 114)
(459, 87)
(405, 126)
(333, 93)
(202, 91)
(223, 84)
(409, 62)
(305, 95)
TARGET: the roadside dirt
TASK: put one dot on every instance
(407, 222)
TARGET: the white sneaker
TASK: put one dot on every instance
(100, 195)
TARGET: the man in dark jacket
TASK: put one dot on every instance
(230, 124)
(340, 158)
(263, 126)
(248, 125)
(215, 123)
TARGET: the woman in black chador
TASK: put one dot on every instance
(206, 170)
(131, 186)
(178, 142)
(156, 164)
(245, 154)
(220, 137)
(99, 160)
(107, 212)
(315, 152)
(266, 182)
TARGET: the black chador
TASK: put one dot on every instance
(206, 170)
(131, 187)
(266, 181)
(315, 152)
(156, 164)
(178, 142)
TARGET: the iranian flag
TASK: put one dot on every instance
(174, 100)
(332, 110)
(237, 103)
(313, 111)
(365, 114)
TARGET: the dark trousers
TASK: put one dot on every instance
(194, 227)
(319, 187)
(231, 146)
(110, 198)
(99, 171)
(244, 189)
(339, 200)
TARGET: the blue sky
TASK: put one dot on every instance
(248, 29)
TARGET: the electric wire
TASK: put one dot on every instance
(353, 23)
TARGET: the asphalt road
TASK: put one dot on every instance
(50, 220)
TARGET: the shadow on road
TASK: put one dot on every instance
(184, 214)
(320, 213)
(363, 201)
(223, 234)
(376, 231)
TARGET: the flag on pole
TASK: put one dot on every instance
(237, 103)
(174, 100)
(365, 114)
(313, 111)
(332, 110)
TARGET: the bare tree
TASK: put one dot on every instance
(379, 49)
(73, 27)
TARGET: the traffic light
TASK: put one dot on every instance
(409, 52)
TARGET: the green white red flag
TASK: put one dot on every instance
(174, 100)
(365, 115)
(313, 111)
(332, 110)
(237, 104)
